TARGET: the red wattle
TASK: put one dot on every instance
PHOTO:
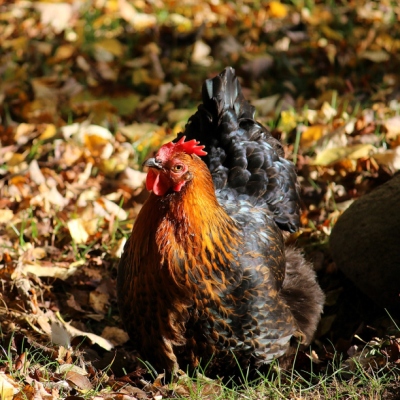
(150, 179)
(157, 183)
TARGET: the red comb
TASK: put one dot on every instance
(190, 147)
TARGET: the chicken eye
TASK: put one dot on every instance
(177, 167)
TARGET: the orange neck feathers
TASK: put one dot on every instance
(185, 231)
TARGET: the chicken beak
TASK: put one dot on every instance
(152, 163)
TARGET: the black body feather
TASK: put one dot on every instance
(245, 160)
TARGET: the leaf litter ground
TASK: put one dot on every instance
(87, 91)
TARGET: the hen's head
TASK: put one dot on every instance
(172, 167)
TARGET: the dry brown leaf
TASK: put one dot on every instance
(116, 336)
(78, 381)
(99, 301)
(53, 271)
(73, 332)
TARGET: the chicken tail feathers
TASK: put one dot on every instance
(224, 93)
(245, 160)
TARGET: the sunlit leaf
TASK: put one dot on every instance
(277, 9)
(354, 152)
(392, 126)
(77, 230)
(8, 386)
(377, 56)
(389, 158)
(311, 135)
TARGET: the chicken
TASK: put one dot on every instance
(205, 277)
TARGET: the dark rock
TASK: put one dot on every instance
(365, 244)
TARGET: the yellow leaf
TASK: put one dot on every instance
(112, 46)
(77, 230)
(288, 120)
(98, 146)
(6, 216)
(277, 9)
(331, 33)
(8, 386)
(64, 52)
(16, 159)
(355, 152)
(48, 133)
(18, 44)
(311, 135)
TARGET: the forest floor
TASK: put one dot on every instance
(89, 89)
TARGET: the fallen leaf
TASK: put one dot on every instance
(6, 216)
(78, 381)
(59, 334)
(118, 248)
(8, 387)
(113, 209)
(392, 126)
(133, 178)
(62, 369)
(327, 111)
(77, 230)
(25, 132)
(51, 272)
(311, 135)
(112, 46)
(57, 15)
(49, 132)
(116, 336)
(377, 56)
(63, 52)
(354, 152)
(201, 54)
(99, 301)
(277, 9)
(35, 173)
(389, 158)
(266, 104)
